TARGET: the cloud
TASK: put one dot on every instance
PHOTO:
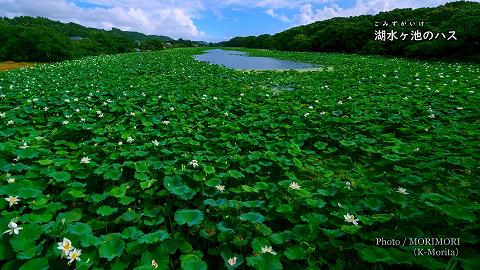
(281, 17)
(268, 4)
(176, 18)
(307, 14)
(150, 17)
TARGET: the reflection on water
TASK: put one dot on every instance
(241, 60)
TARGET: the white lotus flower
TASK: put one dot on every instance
(269, 249)
(2, 114)
(172, 109)
(306, 114)
(242, 94)
(351, 219)
(65, 122)
(155, 142)
(432, 116)
(215, 98)
(65, 246)
(232, 261)
(165, 122)
(132, 113)
(340, 102)
(120, 143)
(74, 255)
(348, 185)
(459, 108)
(10, 122)
(11, 180)
(294, 185)
(154, 264)
(24, 146)
(82, 119)
(85, 160)
(225, 113)
(13, 228)
(12, 200)
(402, 191)
(67, 100)
(220, 188)
(130, 139)
(193, 163)
(310, 107)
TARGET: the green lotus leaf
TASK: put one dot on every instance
(35, 264)
(265, 262)
(189, 217)
(106, 210)
(6, 251)
(154, 237)
(141, 166)
(45, 162)
(119, 191)
(113, 174)
(252, 217)
(209, 169)
(26, 238)
(176, 186)
(295, 253)
(236, 174)
(112, 246)
(192, 262)
(61, 176)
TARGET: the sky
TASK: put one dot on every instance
(208, 20)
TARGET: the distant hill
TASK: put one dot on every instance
(357, 34)
(138, 36)
(40, 39)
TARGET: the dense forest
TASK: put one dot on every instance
(363, 34)
(44, 40)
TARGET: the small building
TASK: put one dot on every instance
(76, 38)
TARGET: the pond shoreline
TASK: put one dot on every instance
(9, 65)
(242, 61)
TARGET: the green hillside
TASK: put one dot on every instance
(357, 34)
(40, 39)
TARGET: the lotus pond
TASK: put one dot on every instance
(158, 161)
(241, 61)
